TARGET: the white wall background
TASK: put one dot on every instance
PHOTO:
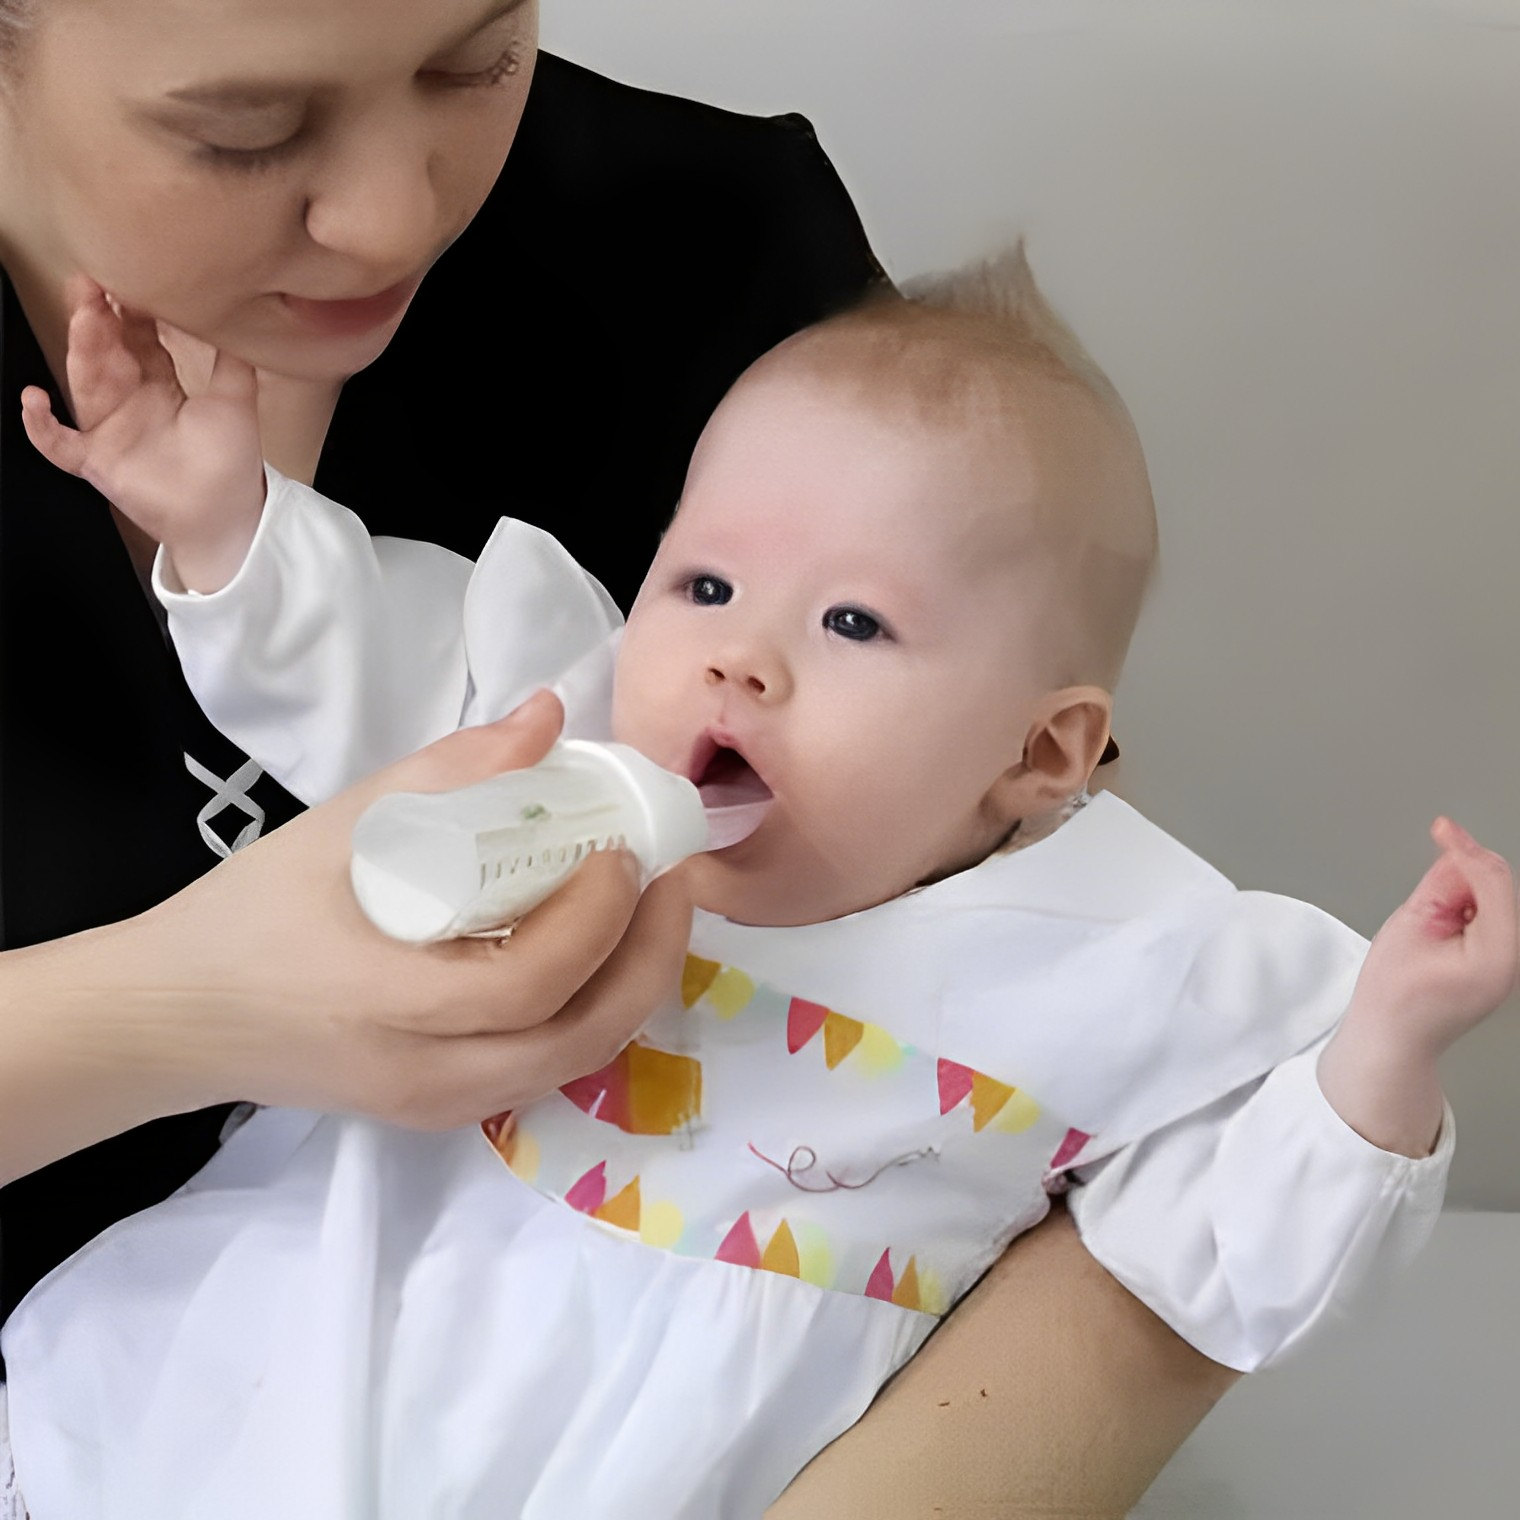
(1291, 232)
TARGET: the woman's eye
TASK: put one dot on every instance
(852, 623)
(709, 591)
(246, 158)
(508, 64)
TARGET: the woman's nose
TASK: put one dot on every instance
(378, 205)
(755, 672)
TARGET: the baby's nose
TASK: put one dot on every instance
(758, 674)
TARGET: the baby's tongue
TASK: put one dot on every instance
(735, 801)
(728, 825)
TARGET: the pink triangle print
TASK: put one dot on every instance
(1069, 1147)
(740, 1246)
(881, 1283)
(590, 1192)
(803, 1021)
(954, 1084)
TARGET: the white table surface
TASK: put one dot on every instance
(1408, 1411)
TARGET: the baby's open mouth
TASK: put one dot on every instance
(734, 796)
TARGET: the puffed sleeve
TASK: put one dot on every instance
(1251, 1221)
(331, 653)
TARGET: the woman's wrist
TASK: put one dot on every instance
(88, 1045)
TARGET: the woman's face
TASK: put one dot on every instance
(274, 176)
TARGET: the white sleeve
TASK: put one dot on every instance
(1250, 1222)
(331, 653)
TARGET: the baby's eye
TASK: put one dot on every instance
(852, 623)
(709, 591)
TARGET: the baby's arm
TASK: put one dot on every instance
(185, 469)
(1250, 1221)
(1442, 963)
(323, 652)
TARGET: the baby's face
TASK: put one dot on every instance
(840, 614)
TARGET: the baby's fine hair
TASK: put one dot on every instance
(976, 348)
(1008, 310)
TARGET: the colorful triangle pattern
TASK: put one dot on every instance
(659, 1224)
(642, 1090)
(902, 1291)
(842, 1036)
(741, 1248)
(992, 1102)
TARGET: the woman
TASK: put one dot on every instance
(279, 180)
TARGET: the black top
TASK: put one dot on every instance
(558, 363)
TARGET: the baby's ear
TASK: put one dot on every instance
(1061, 751)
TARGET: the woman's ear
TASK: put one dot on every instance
(1061, 752)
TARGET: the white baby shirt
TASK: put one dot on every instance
(677, 1279)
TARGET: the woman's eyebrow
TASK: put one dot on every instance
(252, 95)
(236, 94)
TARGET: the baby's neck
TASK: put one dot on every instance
(1024, 833)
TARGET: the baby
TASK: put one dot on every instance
(938, 983)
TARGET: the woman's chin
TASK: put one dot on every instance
(316, 360)
(280, 346)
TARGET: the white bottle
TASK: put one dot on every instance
(433, 866)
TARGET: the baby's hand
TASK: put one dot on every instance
(1448, 956)
(188, 470)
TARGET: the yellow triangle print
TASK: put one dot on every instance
(524, 1157)
(1017, 1114)
(905, 1294)
(840, 1037)
(697, 976)
(622, 1210)
(781, 1254)
(661, 1224)
(932, 1298)
(815, 1259)
(878, 1054)
(729, 992)
(987, 1098)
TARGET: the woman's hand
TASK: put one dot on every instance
(186, 469)
(263, 981)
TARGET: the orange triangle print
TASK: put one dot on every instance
(905, 1294)
(781, 1254)
(664, 1090)
(987, 1099)
(624, 1210)
(840, 1037)
(697, 976)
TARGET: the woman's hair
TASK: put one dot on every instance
(15, 17)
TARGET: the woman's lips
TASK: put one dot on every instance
(348, 318)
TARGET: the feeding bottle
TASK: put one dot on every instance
(437, 865)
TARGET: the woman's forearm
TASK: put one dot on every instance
(262, 980)
(1049, 1390)
(82, 1048)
